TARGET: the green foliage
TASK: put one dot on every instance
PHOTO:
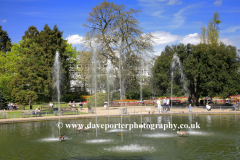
(5, 41)
(146, 91)
(33, 73)
(213, 29)
(70, 97)
(8, 63)
(162, 72)
(3, 101)
(114, 96)
(210, 70)
(100, 99)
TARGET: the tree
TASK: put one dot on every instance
(8, 63)
(212, 71)
(162, 71)
(85, 67)
(203, 35)
(119, 38)
(3, 101)
(5, 41)
(213, 29)
(33, 77)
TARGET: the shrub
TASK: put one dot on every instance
(3, 102)
(100, 98)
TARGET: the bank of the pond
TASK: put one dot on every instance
(128, 111)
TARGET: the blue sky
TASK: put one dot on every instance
(172, 21)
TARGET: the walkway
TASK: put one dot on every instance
(116, 111)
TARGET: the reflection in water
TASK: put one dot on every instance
(190, 119)
(209, 120)
(167, 119)
(159, 119)
(40, 139)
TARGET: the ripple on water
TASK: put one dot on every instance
(131, 148)
(117, 130)
(99, 141)
(198, 133)
(159, 135)
(51, 139)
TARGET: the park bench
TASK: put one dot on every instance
(24, 113)
(29, 112)
(4, 115)
(21, 107)
(91, 110)
(67, 111)
(46, 111)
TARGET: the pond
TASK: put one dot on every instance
(217, 137)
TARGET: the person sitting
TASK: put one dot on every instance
(73, 104)
(38, 111)
(11, 106)
(51, 105)
(70, 104)
(208, 107)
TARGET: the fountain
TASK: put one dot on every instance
(56, 82)
(24, 137)
(176, 60)
(95, 80)
(109, 80)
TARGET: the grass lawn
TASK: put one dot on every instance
(18, 114)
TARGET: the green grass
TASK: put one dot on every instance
(18, 114)
(14, 114)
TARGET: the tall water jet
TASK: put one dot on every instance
(176, 60)
(120, 81)
(141, 100)
(94, 56)
(57, 80)
(109, 80)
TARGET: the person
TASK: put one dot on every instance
(51, 105)
(159, 105)
(70, 104)
(80, 105)
(73, 104)
(38, 111)
(105, 104)
(190, 107)
(164, 103)
(168, 108)
(9, 106)
(208, 107)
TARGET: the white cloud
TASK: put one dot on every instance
(164, 37)
(178, 18)
(226, 41)
(231, 29)
(74, 39)
(3, 21)
(191, 38)
(218, 2)
(173, 2)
